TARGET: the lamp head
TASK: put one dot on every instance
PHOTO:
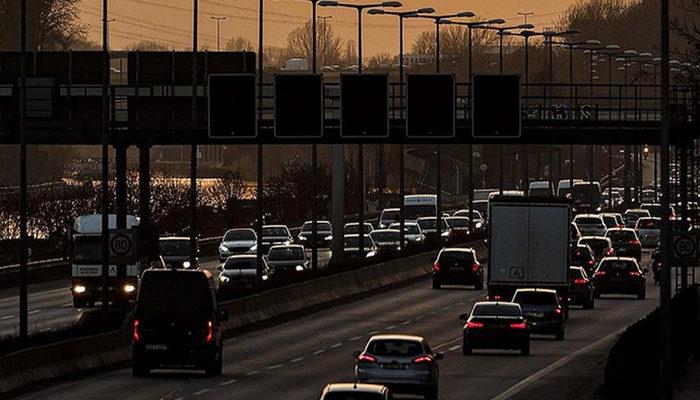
(391, 4)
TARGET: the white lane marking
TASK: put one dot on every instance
(433, 313)
(251, 373)
(446, 308)
(296, 360)
(272, 367)
(453, 348)
(449, 342)
(373, 333)
(197, 393)
(66, 304)
(34, 311)
(226, 383)
(7, 317)
(318, 352)
(390, 327)
(520, 386)
(355, 338)
(335, 346)
(406, 322)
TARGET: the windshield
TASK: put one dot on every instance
(407, 228)
(241, 264)
(458, 222)
(286, 253)
(244, 234)
(617, 266)
(586, 192)
(610, 221)
(536, 298)
(415, 212)
(598, 245)
(395, 348)
(176, 302)
(320, 226)
(277, 231)
(353, 242)
(429, 223)
(649, 224)
(355, 228)
(87, 250)
(390, 215)
(385, 236)
(174, 247)
(506, 310)
(540, 192)
(457, 257)
(588, 221)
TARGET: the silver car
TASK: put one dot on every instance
(590, 224)
(648, 230)
(412, 233)
(238, 241)
(403, 363)
(352, 391)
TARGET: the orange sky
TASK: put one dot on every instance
(170, 21)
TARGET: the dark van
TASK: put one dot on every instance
(177, 323)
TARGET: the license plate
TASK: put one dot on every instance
(535, 314)
(159, 347)
(393, 366)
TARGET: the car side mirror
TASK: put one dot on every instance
(438, 356)
(223, 315)
(463, 317)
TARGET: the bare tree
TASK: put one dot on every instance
(239, 43)
(329, 45)
(51, 24)
(148, 45)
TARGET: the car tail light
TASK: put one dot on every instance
(518, 325)
(495, 297)
(210, 332)
(475, 267)
(366, 358)
(580, 281)
(635, 273)
(136, 335)
(475, 325)
(591, 262)
(423, 360)
(557, 310)
(634, 242)
(610, 252)
(599, 273)
(436, 266)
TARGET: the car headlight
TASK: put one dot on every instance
(223, 249)
(329, 237)
(479, 225)
(302, 237)
(224, 279)
(186, 264)
(287, 242)
(299, 268)
(129, 288)
(265, 277)
(447, 233)
(79, 289)
(371, 254)
(253, 248)
(598, 209)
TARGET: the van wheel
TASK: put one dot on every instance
(559, 335)
(642, 295)
(215, 366)
(436, 285)
(138, 369)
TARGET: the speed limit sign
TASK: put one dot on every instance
(685, 248)
(121, 246)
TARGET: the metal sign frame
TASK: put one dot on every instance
(321, 104)
(209, 108)
(388, 109)
(473, 109)
(454, 107)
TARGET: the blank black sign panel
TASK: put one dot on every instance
(298, 105)
(496, 110)
(430, 106)
(232, 106)
(364, 100)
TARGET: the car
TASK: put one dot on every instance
(648, 230)
(617, 199)
(352, 250)
(565, 186)
(620, 275)
(457, 266)
(543, 312)
(601, 246)
(237, 241)
(387, 242)
(175, 251)
(240, 274)
(495, 325)
(540, 188)
(625, 242)
(656, 266)
(324, 234)
(632, 215)
(355, 391)
(403, 363)
(580, 288)
(428, 225)
(587, 197)
(655, 210)
(482, 206)
(388, 217)
(648, 196)
(412, 233)
(288, 262)
(477, 218)
(612, 220)
(177, 323)
(354, 228)
(575, 234)
(582, 256)
(590, 224)
(458, 228)
(275, 235)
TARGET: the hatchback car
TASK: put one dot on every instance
(237, 241)
(590, 224)
(177, 323)
(388, 217)
(582, 256)
(458, 266)
(648, 230)
(176, 251)
(458, 228)
(403, 363)
(288, 262)
(580, 288)
(542, 310)
(355, 391)
(428, 225)
(601, 246)
(625, 242)
(495, 325)
(620, 275)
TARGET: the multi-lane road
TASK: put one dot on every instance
(295, 359)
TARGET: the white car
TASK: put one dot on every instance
(648, 230)
(357, 391)
(238, 241)
(412, 233)
(590, 224)
(388, 217)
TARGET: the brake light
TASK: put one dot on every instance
(580, 281)
(423, 360)
(634, 242)
(518, 325)
(475, 325)
(610, 252)
(366, 358)
(475, 267)
(591, 262)
(599, 273)
(496, 297)
(136, 335)
(557, 310)
(635, 273)
(210, 331)
(436, 266)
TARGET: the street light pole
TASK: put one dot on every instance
(218, 30)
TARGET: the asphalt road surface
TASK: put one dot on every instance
(50, 304)
(295, 359)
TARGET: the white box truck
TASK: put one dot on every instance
(528, 245)
(86, 262)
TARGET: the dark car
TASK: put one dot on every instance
(656, 266)
(542, 310)
(458, 266)
(386, 241)
(177, 322)
(495, 325)
(580, 288)
(458, 229)
(620, 275)
(353, 250)
(175, 251)
(625, 242)
(273, 235)
(288, 262)
(582, 256)
(428, 225)
(601, 246)
(324, 234)
(240, 274)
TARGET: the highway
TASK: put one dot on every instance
(295, 359)
(51, 304)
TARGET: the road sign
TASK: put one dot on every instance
(298, 105)
(430, 106)
(685, 248)
(496, 110)
(364, 105)
(232, 106)
(121, 247)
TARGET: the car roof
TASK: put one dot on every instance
(320, 221)
(242, 257)
(458, 250)
(636, 210)
(594, 238)
(357, 223)
(275, 226)
(172, 238)
(279, 246)
(385, 231)
(414, 338)
(587, 216)
(355, 387)
(496, 303)
(615, 258)
(619, 229)
(240, 229)
(650, 218)
(391, 209)
(532, 290)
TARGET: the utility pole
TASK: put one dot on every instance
(324, 42)
(218, 30)
(526, 14)
(23, 256)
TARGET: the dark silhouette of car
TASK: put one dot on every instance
(495, 325)
(457, 266)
